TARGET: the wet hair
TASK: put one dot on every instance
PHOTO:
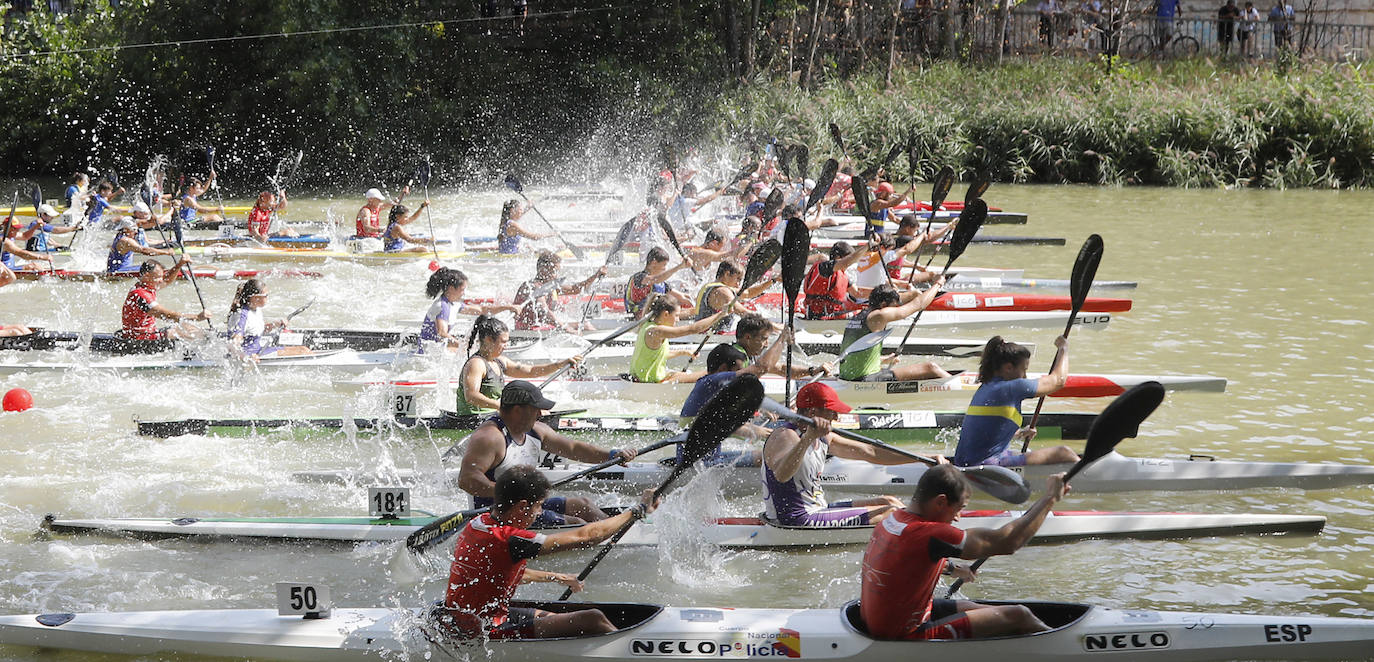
(943, 479)
(997, 353)
(908, 222)
(713, 235)
(749, 226)
(195, 181)
(656, 254)
(841, 250)
(750, 324)
(724, 357)
(546, 260)
(506, 210)
(397, 211)
(80, 177)
(148, 266)
(688, 188)
(104, 187)
(243, 294)
(484, 328)
(444, 278)
(521, 483)
(658, 305)
(883, 296)
(728, 266)
(847, 170)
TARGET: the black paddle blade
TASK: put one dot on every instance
(839, 139)
(422, 173)
(621, 236)
(912, 162)
(763, 258)
(514, 184)
(944, 181)
(435, 532)
(1084, 270)
(1000, 482)
(37, 195)
(730, 408)
(796, 247)
(772, 204)
(970, 219)
(784, 156)
(744, 173)
(802, 155)
(1120, 419)
(146, 195)
(210, 156)
(823, 182)
(892, 155)
(977, 188)
(859, 186)
(667, 228)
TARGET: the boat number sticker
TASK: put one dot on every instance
(918, 419)
(1125, 641)
(990, 282)
(1287, 632)
(300, 599)
(964, 301)
(388, 502)
(291, 337)
(749, 644)
(404, 405)
(998, 302)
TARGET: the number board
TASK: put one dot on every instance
(388, 502)
(303, 599)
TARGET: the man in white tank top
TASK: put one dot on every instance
(515, 436)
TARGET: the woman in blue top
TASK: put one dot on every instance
(993, 419)
(395, 239)
(190, 204)
(508, 232)
(446, 286)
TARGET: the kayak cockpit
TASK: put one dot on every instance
(1057, 615)
(623, 615)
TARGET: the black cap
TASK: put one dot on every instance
(723, 355)
(521, 392)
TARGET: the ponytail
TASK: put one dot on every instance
(659, 304)
(997, 353)
(486, 326)
(244, 292)
(442, 279)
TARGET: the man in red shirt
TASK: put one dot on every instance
(907, 553)
(490, 556)
(141, 309)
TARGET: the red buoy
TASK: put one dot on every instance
(17, 399)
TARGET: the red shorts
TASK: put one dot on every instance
(944, 623)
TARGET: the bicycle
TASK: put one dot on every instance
(1167, 44)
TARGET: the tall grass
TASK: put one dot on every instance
(1183, 123)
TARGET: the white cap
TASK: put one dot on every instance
(47, 210)
(808, 184)
(126, 224)
(374, 194)
(141, 207)
(763, 193)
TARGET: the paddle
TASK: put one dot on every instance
(1080, 281)
(802, 154)
(668, 231)
(944, 181)
(618, 332)
(770, 209)
(422, 174)
(622, 236)
(301, 309)
(1120, 419)
(829, 169)
(867, 341)
(977, 188)
(839, 139)
(148, 186)
(1000, 482)
(9, 222)
(760, 261)
(872, 171)
(784, 154)
(796, 239)
(970, 219)
(728, 409)
(514, 184)
(435, 532)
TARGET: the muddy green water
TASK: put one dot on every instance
(1271, 290)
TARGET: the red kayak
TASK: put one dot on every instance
(946, 301)
(214, 274)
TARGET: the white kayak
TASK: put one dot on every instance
(931, 319)
(738, 532)
(894, 394)
(648, 631)
(1113, 473)
(824, 343)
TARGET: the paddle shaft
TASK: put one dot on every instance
(433, 238)
(619, 332)
(154, 196)
(1058, 354)
(540, 214)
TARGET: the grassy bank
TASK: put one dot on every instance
(1055, 121)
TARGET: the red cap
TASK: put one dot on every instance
(820, 396)
(886, 188)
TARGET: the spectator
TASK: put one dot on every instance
(1249, 17)
(1047, 9)
(1093, 24)
(1165, 11)
(1226, 25)
(1281, 20)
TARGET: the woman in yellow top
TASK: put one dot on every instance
(649, 363)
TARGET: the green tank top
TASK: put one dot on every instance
(858, 365)
(492, 384)
(648, 365)
(747, 361)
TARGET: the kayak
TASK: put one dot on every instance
(110, 343)
(965, 283)
(228, 209)
(861, 394)
(1113, 473)
(733, 532)
(900, 426)
(963, 319)
(608, 303)
(299, 255)
(306, 241)
(648, 631)
(213, 274)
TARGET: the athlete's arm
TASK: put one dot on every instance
(1059, 374)
(484, 447)
(784, 449)
(581, 451)
(854, 450)
(591, 534)
(473, 371)
(979, 543)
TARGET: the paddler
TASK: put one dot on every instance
(910, 549)
(879, 262)
(369, 220)
(653, 280)
(911, 227)
(536, 297)
(490, 557)
(713, 249)
(649, 362)
(446, 286)
(880, 209)
(993, 420)
(794, 457)
(492, 450)
(35, 236)
(719, 294)
(723, 364)
(129, 239)
(483, 376)
(886, 306)
(260, 217)
(395, 238)
(751, 336)
(247, 326)
(10, 249)
(141, 309)
(829, 294)
(103, 199)
(190, 203)
(76, 192)
(509, 232)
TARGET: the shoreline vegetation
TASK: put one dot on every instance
(578, 97)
